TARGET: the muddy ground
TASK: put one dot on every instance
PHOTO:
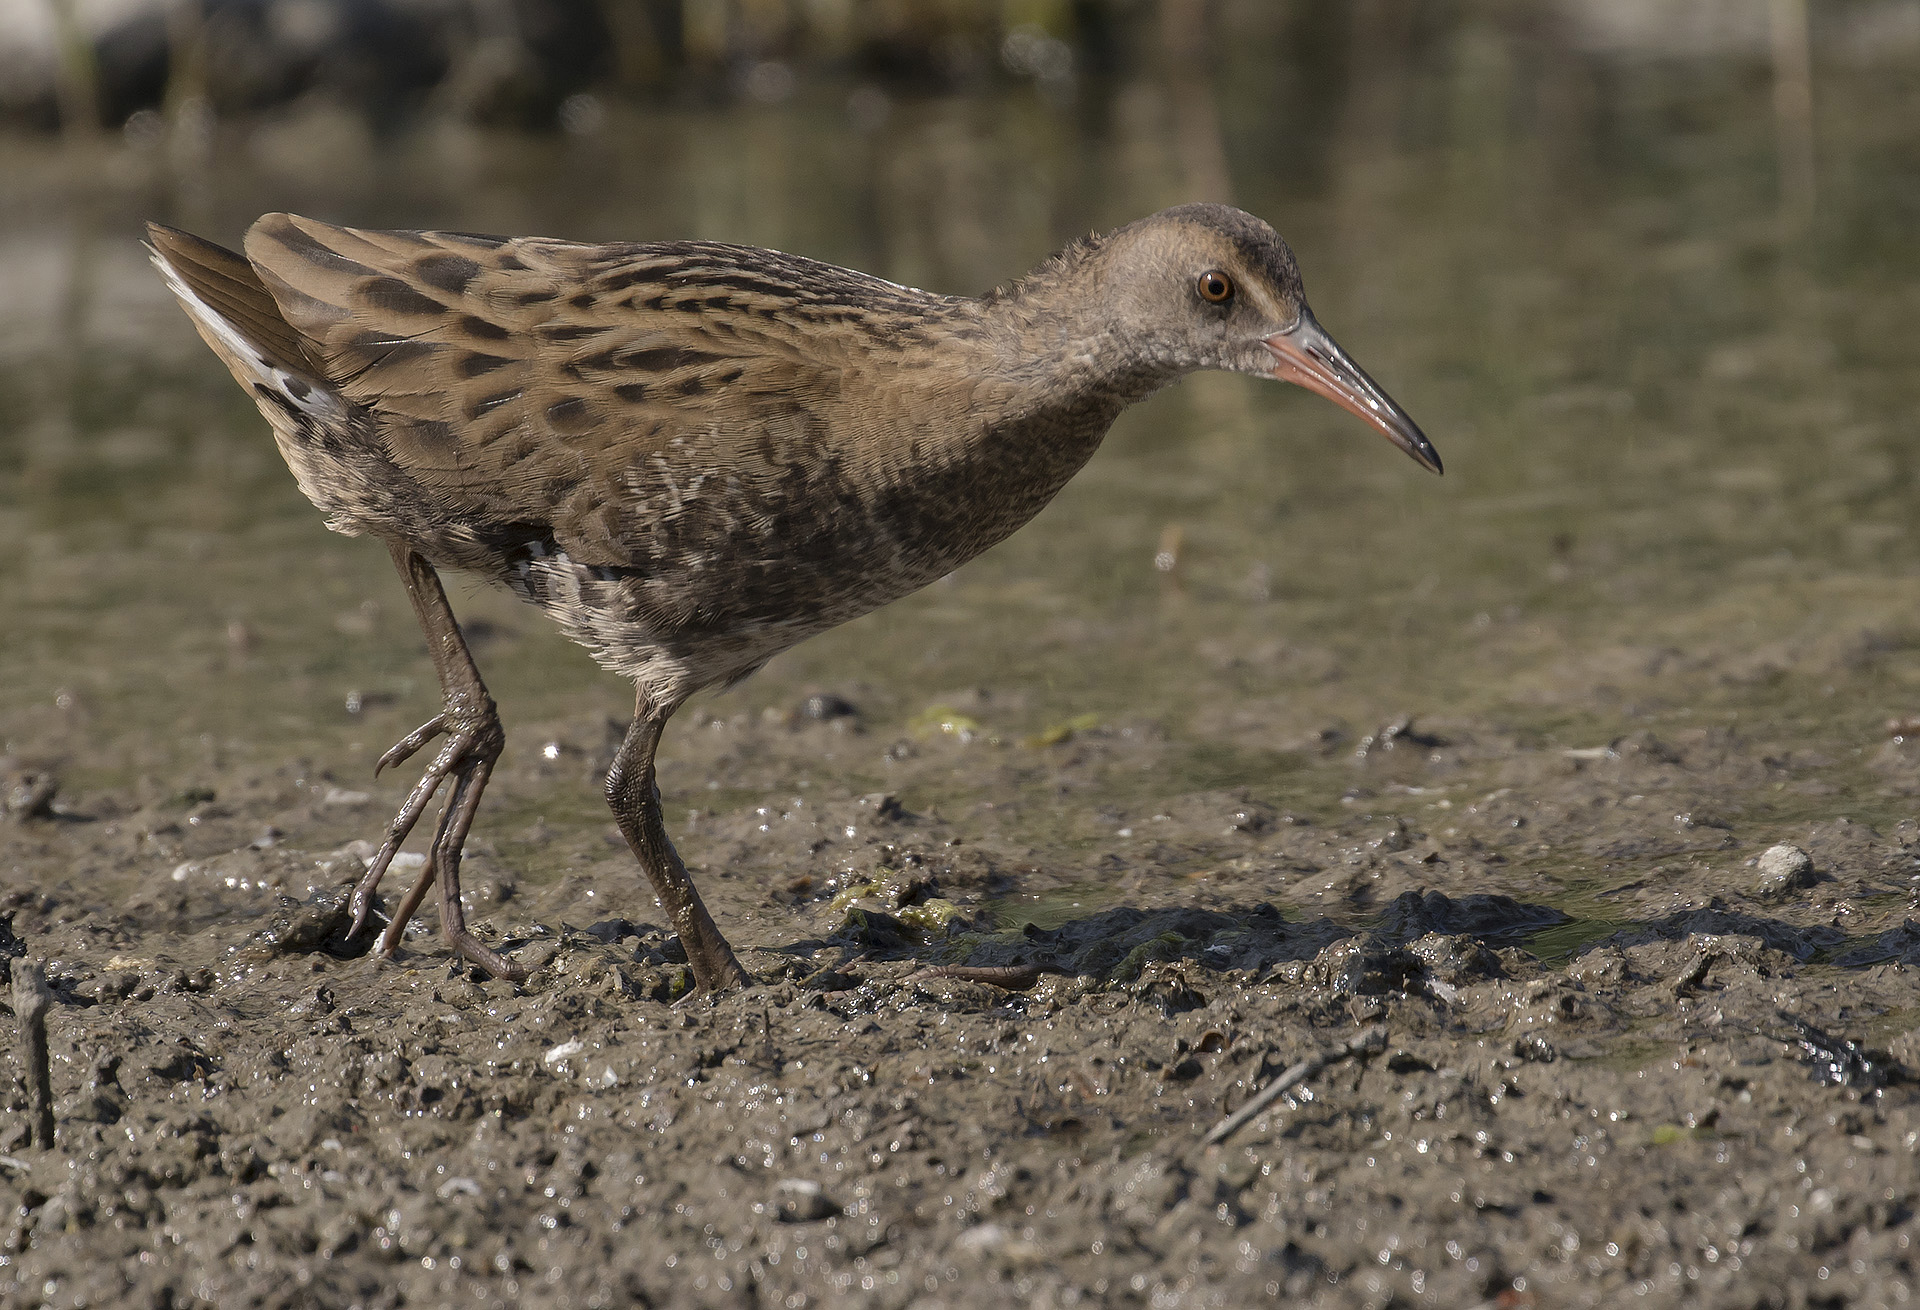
(1699, 1089)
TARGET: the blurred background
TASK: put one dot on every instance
(1645, 270)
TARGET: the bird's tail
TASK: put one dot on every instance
(237, 317)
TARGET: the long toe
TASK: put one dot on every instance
(496, 964)
(403, 750)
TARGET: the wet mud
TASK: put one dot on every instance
(978, 1068)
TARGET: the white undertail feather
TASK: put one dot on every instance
(313, 397)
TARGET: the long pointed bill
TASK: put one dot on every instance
(1308, 356)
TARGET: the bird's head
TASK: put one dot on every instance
(1211, 287)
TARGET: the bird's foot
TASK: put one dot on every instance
(474, 741)
(715, 968)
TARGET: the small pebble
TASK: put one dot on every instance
(825, 705)
(30, 796)
(1784, 868)
(801, 1201)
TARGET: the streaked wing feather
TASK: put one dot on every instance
(503, 373)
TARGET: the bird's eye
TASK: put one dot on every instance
(1216, 288)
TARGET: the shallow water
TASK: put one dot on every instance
(1675, 419)
(1652, 621)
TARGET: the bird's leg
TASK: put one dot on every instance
(474, 740)
(636, 808)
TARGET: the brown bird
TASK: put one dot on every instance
(692, 455)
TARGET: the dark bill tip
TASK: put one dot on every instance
(1307, 356)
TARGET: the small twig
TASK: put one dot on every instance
(1373, 1039)
(31, 1001)
(1010, 977)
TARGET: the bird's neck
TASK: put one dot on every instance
(1057, 342)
